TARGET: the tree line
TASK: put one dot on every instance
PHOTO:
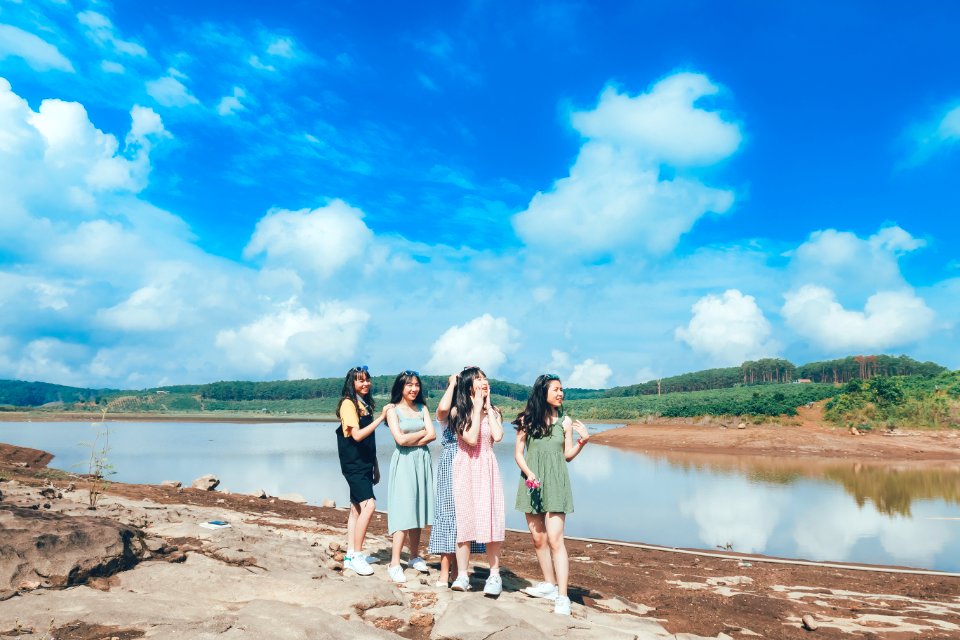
(750, 373)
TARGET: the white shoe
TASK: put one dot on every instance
(358, 564)
(542, 590)
(396, 574)
(493, 586)
(419, 564)
(561, 606)
(462, 583)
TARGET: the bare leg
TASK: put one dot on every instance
(365, 513)
(538, 529)
(398, 537)
(413, 542)
(463, 558)
(352, 526)
(493, 557)
(446, 559)
(554, 523)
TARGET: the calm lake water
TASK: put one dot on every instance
(840, 511)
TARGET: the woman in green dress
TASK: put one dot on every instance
(545, 444)
(410, 483)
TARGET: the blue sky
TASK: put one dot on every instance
(611, 191)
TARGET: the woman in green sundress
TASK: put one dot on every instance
(410, 483)
(545, 444)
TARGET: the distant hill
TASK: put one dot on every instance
(34, 394)
(327, 390)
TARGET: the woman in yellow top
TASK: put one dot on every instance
(357, 448)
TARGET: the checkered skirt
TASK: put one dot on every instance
(443, 535)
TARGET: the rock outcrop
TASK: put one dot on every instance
(52, 550)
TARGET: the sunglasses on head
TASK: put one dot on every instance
(551, 376)
(361, 368)
(411, 372)
(470, 366)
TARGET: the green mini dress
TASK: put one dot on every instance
(545, 458)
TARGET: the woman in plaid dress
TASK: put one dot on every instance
(443, 535)
(477, 489)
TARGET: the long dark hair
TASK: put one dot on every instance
(533, 419)
(463, 399)
(349, 391)
(396, 393)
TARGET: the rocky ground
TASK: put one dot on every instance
(140, 565)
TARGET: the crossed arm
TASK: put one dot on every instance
(415, 438)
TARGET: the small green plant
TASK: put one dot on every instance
(98, 465)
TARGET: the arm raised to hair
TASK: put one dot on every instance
(446, 400)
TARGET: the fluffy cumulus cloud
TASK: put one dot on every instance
(294, 339)
(728, 328)
(589, 374)
(316, 240)
(616, 197)
(484, 341)
(56, 165)
(889, 319)
(845, 262)
(34, 50)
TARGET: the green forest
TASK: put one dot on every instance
(863, 391)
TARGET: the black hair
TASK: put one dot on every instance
(396, 393)
(533, 419)
(463, 399)
(349, 391)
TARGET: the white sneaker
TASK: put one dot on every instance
(542, 590)
(396, 573)
(561, 606)
(419, 564)
(358, 564)
(493, 586)
(462, 583)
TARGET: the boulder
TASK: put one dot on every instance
(293, 497)
(174, 484)
(208, 482)
(53, 550)
(330, 503)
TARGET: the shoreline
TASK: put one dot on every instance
(702, 592)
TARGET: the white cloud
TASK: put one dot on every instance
(255, 62)
(889, 319)
(294, 338)
(936, 135)
(664, 125)
(729, 329)
(170, 92)
(615, 198)
(484, 341)
(101, 31)
(231, 104)
(844, 262)
(37, 52)
(281, 47)
(589, 374)
(320, 240)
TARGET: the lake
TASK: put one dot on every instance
(900, 514)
